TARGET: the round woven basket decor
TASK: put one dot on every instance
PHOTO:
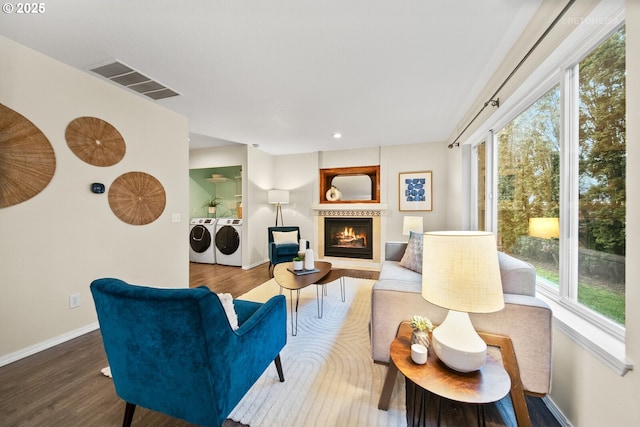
(27, 160)
(137, 198)
(95, 141)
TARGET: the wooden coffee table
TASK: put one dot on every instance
(489, 384)
(287, 280)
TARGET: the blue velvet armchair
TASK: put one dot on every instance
(174, 350)
(282, 252)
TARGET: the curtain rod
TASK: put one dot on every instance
(495, 102)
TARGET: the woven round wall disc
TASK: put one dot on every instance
(95, 141)
(27, 160)
(137, 198)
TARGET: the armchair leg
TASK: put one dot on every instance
(279, 368)
(128, 414)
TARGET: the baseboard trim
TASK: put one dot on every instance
(255, 264)
(556, 412)
(44, 345)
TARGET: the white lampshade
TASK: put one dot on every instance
(278, 196)
(412, 223)
(460, 272)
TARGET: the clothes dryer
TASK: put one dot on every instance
(202, 232)
(228, 241)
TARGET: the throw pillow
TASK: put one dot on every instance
(412, 258)
(280, 237)
(227, 304)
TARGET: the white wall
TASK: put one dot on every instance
(260, 214)
(414, 158)
(297, 173)
(231, 155)
(56, 243)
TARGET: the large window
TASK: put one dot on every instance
(601, 178)
(560, 189)
(529, 186)
(481, 157)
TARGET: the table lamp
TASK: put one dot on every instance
(460, 272)
(412, 223)
(278, 197)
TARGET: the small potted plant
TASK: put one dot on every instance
(297, 262)
(421, 327)
(212, 204)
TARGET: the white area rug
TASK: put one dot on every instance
(330, 378)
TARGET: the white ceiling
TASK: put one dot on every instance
(287, 74)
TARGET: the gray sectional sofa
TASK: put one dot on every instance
(396, 296)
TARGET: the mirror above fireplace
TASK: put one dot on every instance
(360, 184)
(353, 187)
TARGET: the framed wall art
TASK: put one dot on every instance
(415, 192)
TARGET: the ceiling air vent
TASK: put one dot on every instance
(126, 76)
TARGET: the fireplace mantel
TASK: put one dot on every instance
(349, 209)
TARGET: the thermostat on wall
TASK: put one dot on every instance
(97, 188)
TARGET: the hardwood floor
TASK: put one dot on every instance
(63, 386)
(220, 278)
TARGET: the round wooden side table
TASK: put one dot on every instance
(487, 385)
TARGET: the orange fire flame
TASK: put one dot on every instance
(350, 235)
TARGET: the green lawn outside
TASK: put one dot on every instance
(605, 301)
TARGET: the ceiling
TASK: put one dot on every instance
(284, 75)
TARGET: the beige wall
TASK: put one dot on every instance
(54, 244)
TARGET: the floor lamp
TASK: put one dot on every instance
(278, 197)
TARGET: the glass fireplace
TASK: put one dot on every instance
(348, 237)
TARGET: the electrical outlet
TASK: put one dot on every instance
(74, 300)
(175, 217)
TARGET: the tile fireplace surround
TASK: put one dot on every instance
(376, 211)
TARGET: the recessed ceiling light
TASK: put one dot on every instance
(337, 135)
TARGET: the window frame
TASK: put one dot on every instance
(601, 336)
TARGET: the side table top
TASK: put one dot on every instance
(288, 280)
(489, 384)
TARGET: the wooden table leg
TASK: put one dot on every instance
(387, 387)
(510, 364)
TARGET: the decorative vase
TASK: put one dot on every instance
(420, 337)
(297, 265)
(333, 194)
(212, 209)
(309, 263)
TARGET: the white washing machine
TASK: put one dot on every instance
(202, 232)
(228, 241)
